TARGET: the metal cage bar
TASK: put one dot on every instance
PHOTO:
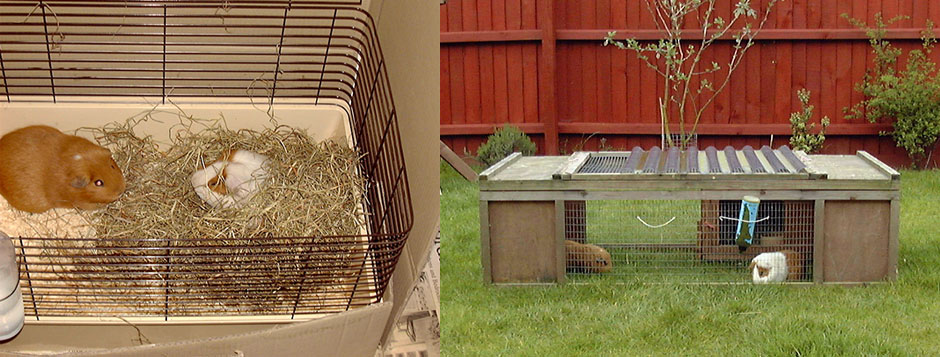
(684, 240)
(270, 49)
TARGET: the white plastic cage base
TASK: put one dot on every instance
(325, 122)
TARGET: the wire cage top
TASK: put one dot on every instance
(263, 52)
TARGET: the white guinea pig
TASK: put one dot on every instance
(231, 180)
(775, 267)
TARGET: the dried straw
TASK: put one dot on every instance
(292, 247)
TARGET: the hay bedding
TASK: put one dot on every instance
(160, 249)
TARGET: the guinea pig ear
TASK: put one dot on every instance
(79, 181)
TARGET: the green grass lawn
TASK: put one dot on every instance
(600, 318)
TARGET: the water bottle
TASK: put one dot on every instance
(11, 299)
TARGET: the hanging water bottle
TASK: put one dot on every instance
(11, 299)
(744, 235)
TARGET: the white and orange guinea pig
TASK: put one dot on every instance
(42, 168)
(775, 267)
(231, 180)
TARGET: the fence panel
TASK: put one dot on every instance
(539, 64)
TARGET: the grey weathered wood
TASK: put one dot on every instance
(652, 160)
(672, 161)
(485, 241)
(499, 166)
(594, 195)
(887, 170)
(797, 284)
(634, 161)
(529, 168)
(522, 241)
(561, 255)
(712, 155)
(857, 235)
(893, 232)
(457, 163)
(794, 161)
(772, 159)
(707, 182)
(852, 182)
(818, 244)
(752, 160)
(847, 167)
(574, 163)
(733, 164)
(508, 285)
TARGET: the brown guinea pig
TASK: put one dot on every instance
(587, 258)
(42, 168)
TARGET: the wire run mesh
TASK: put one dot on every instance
(685, 240)
(326, 53)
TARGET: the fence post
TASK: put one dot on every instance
(547, 108)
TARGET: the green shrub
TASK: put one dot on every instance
(910, 96)
(504, 141)
(803, 138)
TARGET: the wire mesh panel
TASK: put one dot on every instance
(685, 240)
(324, 53)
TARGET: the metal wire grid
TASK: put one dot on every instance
(167, 49)
(266, 49)
(688, 241)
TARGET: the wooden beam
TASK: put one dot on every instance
(485, 258)
(819, 234)
(457, 163)
(715, 129)
(766, 34)
(648, 35)
(547, 107)
(561, 254)
(487, 129)
(653, 129)
(491, 36)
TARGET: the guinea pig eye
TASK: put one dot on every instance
(99, 183)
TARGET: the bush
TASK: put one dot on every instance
(803, 138)
(504, 141)
(910, 96)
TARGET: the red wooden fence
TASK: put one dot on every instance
(539, 64)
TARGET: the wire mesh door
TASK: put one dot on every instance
(684, 240)
(263, 51)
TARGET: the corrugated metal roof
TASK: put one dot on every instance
(692, 161)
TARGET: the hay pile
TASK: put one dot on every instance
(163, 250)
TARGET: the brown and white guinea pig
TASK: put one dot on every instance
(587, 258)
(42, 168)
(776, 267)
(232, 179)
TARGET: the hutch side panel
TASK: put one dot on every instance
(522, 243)
(857, 241)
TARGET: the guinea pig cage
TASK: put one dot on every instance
(314, 67)
(674, 216)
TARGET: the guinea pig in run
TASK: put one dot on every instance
(587, 258)
(775, 267)
(231, 180)
(42, 168)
